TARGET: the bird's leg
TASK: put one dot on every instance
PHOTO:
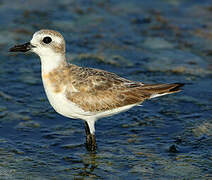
(90, 139)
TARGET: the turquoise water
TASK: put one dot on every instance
(150, 41)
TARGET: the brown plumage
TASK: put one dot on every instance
(96, 90)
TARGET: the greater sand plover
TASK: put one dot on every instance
(86, 93)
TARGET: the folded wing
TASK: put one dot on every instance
(97, 90)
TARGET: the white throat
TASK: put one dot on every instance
(50, 62)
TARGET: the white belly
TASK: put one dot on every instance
(69, 109)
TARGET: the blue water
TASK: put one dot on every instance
(149, 41)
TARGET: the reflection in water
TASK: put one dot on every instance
(89, 162)
(87, 165)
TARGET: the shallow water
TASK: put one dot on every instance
(150, 41)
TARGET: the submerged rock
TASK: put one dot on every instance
(173, 149)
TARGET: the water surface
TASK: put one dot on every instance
(150, 41)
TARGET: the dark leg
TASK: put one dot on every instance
(90, 139)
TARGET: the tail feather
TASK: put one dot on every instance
(157, 90)
(177, 87)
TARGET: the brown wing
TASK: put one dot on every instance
(97, 90)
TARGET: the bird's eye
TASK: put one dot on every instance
(47, 40)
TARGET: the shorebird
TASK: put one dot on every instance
(86, 93)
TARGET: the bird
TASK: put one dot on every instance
(86, 93)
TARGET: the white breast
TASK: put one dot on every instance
(69, 109)
(60, 103)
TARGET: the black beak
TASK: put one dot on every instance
(22, 48)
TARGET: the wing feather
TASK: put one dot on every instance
(98, 90)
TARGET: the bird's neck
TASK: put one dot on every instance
(51, 62)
